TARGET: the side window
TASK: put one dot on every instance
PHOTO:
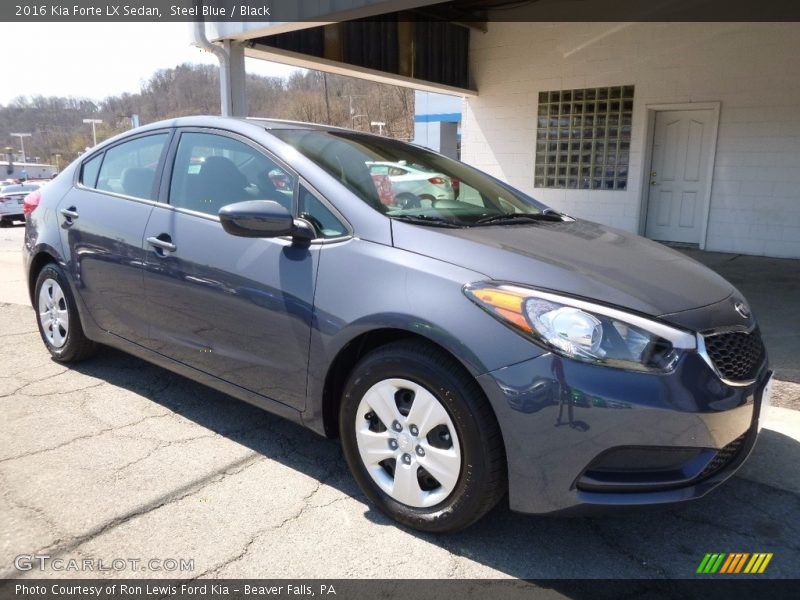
(90, 170)
(212, 170)
(130, 168)
(320, 216)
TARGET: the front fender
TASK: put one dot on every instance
(363, 287)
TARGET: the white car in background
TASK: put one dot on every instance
(408, 178)
(11, 201)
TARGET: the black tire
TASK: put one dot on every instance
(76, 346)
(482, 480)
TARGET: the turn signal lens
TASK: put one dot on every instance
(506, 304)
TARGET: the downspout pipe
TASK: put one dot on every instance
(201, 41)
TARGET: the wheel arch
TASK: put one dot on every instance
(42, 257)
(351, 353)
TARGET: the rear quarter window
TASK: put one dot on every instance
(89, 171)
(130, 167)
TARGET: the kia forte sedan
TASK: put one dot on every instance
(465, 350)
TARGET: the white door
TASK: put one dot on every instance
(678, 182)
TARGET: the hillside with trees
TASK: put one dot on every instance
(57, 123)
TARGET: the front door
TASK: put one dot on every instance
(236, 308)
(678, 182)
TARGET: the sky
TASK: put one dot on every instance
(98, 60)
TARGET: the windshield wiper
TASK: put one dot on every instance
(520, 217)
(426, 220)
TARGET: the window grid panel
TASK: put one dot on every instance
(583, 138)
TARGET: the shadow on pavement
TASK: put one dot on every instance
(741, 516)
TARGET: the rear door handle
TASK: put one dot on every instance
(69, 214)
(161, 243)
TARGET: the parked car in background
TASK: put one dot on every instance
(460, 348)
(11, 201)
(429, 186)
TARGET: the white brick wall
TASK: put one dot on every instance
(751, 68)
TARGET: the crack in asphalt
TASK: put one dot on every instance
(265, 530)
(21, 504)
(80, 438)
(81, 389)
(29, 383)
(726, 527)
(7, 335)
(190, 489)
(163, 444)
(622, 551)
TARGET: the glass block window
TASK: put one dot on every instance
(583, 138)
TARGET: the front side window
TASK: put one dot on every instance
(212, 171)
(409, 182)
(130, 168)
(320, 216)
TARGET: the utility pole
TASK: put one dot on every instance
(353, 115)
(94, 123)
(327, 100)
(22, 137)
(58, 156)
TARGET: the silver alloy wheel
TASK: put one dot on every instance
(408, 443)
(53, 313)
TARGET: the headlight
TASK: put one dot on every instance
(583, 330)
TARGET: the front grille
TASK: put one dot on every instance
(723, 457)
(737, 355)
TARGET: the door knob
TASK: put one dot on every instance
(162, 244)
(69, 214)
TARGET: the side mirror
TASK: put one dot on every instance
(263, 219)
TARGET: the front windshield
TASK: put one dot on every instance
(408, 182)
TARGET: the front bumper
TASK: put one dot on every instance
(560, 417)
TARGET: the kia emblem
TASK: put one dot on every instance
(742, 309)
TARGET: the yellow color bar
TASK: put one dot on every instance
(765, 563)
(751, 564)
(758, 563)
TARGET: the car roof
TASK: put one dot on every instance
(265, 123)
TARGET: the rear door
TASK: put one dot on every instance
(236, 308)
(102, 223)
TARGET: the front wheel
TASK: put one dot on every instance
(57, 317)
(420, 438)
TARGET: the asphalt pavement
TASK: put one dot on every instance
(117, 459)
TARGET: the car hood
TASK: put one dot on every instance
(578, 258)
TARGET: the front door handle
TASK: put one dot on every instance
(69, 214)
(162, 242)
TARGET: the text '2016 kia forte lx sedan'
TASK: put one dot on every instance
(461, 348)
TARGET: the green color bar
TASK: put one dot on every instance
(701, 568)
(718, 563)
(711, 562)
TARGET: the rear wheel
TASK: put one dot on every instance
(57, 317)
(420, 438)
